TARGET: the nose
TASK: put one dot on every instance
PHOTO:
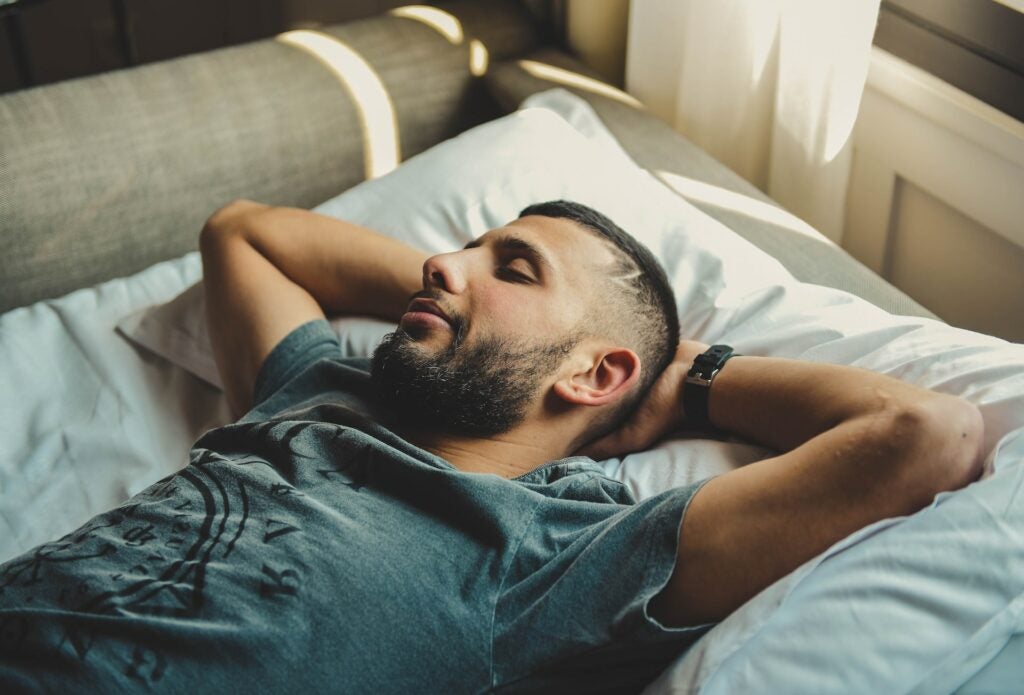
(445, 272)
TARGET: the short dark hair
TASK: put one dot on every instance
(649, 316)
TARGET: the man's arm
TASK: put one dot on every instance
(268, 270)
(859, 447)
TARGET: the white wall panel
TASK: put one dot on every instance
(936, 198)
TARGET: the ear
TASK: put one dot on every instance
(608, 375)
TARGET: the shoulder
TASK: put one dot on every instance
(307, 367)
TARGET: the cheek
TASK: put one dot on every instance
(497, 310)
(511, 310)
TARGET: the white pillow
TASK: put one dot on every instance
(480, 180)
(729, 291)
(177, 331)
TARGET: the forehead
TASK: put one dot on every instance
(565, 246)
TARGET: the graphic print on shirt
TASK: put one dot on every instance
(151, 556)
(275, 444)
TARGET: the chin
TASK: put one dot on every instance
(426, 339)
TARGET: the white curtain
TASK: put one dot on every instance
(769, 87)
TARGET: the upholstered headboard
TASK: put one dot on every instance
(103, 176)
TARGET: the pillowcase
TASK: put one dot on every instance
(177, 330)
(866, 588)
(727, 290)
(456, 191)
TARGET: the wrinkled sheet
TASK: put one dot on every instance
(86, 418)
(89, 419)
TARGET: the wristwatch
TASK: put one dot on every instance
(698, 385)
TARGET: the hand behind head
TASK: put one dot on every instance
(659, 413)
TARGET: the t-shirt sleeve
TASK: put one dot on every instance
(296, 352)
(586, 587)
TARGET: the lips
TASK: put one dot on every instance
(428, 306)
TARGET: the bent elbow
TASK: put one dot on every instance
(968, 453)
(225, 220)
(945, 436)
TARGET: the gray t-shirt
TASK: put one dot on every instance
(308, 547)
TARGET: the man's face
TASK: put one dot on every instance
(481, 343)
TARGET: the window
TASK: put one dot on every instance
(975, 45)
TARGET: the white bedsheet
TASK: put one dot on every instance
(86, 418)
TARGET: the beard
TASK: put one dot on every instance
(478, 390)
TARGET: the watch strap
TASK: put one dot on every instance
(697, 386)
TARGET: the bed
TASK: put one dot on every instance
(108, 377)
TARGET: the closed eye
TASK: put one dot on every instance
(532, 263)
(507, 272)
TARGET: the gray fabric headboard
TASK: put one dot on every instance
(103, 176)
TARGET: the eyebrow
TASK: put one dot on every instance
(509, 242)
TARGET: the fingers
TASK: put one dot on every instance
(606, 447)
(619, 443)
(635, 435)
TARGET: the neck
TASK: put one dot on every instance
(509, 455)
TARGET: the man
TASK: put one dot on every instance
(431, 521)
